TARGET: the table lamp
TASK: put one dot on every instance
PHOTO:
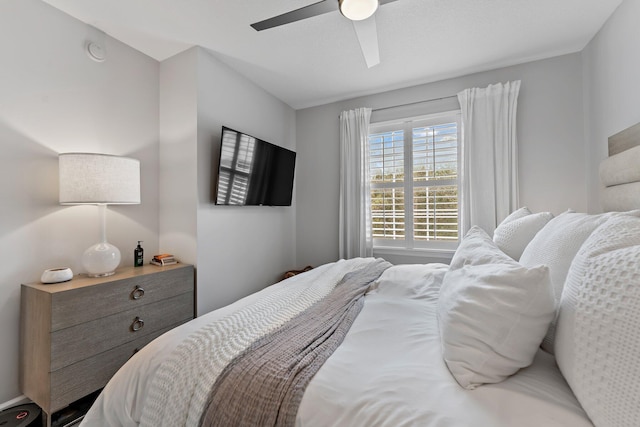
(99, 179)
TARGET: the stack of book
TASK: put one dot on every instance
(164, 259)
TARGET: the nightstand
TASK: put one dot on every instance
(75, 335)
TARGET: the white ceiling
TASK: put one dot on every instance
(318, 60)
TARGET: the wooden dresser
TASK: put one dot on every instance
(75, 335)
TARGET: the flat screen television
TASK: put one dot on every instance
(253, 172)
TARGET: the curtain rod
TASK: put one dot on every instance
(416, 102)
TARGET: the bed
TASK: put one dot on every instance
(424, 345)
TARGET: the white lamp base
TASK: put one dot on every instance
(101, 260)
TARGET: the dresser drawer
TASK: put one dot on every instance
(82, 341)
(84, 303)
(78, 380)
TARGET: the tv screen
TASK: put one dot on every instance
(253, 172)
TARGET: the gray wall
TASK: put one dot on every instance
(611, 63)
(552, 153)
(237, 250)
(240, 249)
(178, 198)
(54, 99)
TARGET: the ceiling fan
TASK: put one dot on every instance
(360, 12)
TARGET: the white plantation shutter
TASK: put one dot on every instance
(386, 157)
(435, 163)
(414, 181)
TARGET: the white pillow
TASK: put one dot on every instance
(492, 312)
(474, 250)
(598, 330)
(555, 246)
(514, 235)
(517, 214)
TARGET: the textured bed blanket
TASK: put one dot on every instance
(264, 385)
(179, 390)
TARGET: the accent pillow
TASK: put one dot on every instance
(517, 214)
(513, 235)
(492, 312)
(598, 338)
(555, 246)
(476, 248)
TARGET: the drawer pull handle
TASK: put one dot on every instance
(137, 324)
(137, 293)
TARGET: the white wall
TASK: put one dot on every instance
(237, 250)
(611, 63)
(552, 153)
(54, 99)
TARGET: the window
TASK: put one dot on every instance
(414, 182)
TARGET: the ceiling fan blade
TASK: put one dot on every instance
(368, 38)
(381, 2)
(314, 9)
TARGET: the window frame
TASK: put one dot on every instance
(409, 244)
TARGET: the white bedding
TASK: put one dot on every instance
(389, 370)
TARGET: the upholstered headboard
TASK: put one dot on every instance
(620, 172)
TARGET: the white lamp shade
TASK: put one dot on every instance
(357, 10)
(88, 178)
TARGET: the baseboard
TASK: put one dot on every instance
(14, 402)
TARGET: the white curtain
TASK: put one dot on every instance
(355, 194)
(489, 174)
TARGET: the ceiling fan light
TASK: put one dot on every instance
(357, 10)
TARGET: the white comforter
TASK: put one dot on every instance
(388, 372)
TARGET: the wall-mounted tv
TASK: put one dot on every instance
(253, 172)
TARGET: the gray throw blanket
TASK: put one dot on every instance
(264, 385)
